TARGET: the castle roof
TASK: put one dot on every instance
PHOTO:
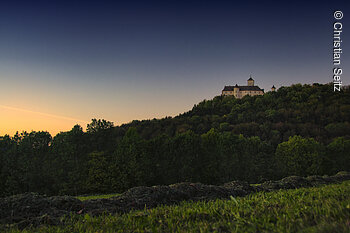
(243, 88)
(250, 79)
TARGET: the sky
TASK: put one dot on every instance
(64, 63)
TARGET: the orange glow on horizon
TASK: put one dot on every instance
(16, 119)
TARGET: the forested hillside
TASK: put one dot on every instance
(298, 130)
(307, 110)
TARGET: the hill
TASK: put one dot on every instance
(306, 110)
(298, 130)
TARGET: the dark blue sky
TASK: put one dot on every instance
(145, 59)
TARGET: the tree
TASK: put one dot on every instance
(183, 153)
(126, 165)
(69, 157)
(300, 156)
(338, 129)
(338, 154)
(211, 157)
(29, 162)
(97, 125)
(98, 176)
(7, 163)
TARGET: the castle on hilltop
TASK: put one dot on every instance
(240, 91)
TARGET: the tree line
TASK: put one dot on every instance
(298, 130)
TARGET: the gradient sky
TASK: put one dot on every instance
(65, 63)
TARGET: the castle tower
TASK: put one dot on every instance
(273, 88)
(250, 81)
(236, 91)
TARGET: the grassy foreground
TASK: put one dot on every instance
(318, 209)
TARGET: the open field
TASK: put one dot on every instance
(101, 196)
(316, 209)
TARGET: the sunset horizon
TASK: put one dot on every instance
(65, 64)
(18, 120)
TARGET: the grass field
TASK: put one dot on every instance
(318, 209)
(84, 198)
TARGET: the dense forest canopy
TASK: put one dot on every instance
(297, 130)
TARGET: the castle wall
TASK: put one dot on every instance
(240, 94)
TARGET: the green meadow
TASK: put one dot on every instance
(84, 198)
(317, 209)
